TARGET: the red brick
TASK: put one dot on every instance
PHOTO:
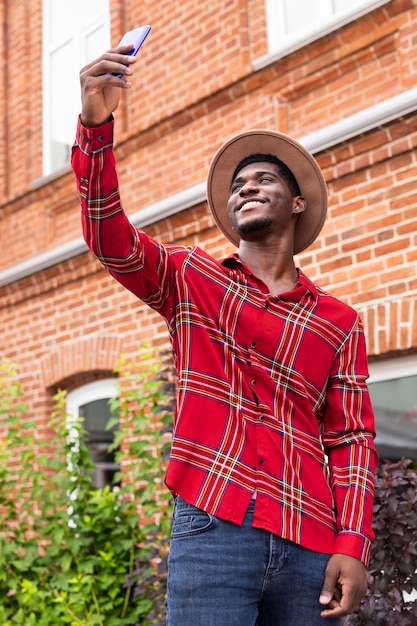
(198, 86)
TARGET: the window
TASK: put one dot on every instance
(74, 33)
(91, 402)
(393, 389)
(293, 23)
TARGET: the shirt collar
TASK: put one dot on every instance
(233, 261)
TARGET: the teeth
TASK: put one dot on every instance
(252, 203)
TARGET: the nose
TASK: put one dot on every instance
(249, 186)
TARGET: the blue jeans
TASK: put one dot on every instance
(221, 574)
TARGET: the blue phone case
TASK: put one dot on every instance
(137, 37)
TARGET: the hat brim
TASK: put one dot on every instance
(302, 164)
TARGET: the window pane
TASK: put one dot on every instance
(95, 43)
(291, 23)
(75, 32)
(96, 415)
(64, 102)
(395, 405)
(299, 13)
(67, 17)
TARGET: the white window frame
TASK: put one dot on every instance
(281, 43)
(97, 390)
(399, 367)
(79, 38)
(102, 389)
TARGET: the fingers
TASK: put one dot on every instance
(327, 594)
(340, 605)
(101, 82)
(113, 62)
(344, 586)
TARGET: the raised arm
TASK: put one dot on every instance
(136, 261)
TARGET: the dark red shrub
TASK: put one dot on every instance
(393, 566)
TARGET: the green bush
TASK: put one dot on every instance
(69, 553)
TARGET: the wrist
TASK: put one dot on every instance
(94, 124)
(94, 139)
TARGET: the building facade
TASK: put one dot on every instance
(341, 81)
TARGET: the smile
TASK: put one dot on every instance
(250, 204)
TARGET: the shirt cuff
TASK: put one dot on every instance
(95, 139)
(353, 545)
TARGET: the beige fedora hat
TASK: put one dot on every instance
(302, 164)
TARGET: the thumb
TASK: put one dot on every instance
(329, 586)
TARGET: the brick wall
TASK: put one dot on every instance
(196, 85)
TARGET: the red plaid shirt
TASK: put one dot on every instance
(272, 391)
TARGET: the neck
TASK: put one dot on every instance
(275, 267)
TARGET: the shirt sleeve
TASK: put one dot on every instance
(348, 438)
(120, 247)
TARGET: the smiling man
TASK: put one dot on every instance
(265, 200)
(264, 205)
(272, 456)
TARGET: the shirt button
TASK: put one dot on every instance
(262, 418)
(101, 138)
(253, 382)
(261, 462)
(253, 344)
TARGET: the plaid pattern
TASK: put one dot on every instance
(272, 391)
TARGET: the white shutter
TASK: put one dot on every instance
(293, 23)
(74, 33)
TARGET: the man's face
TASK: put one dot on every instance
(260, 201)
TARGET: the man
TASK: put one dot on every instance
(272, 459)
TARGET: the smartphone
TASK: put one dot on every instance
(137, 37)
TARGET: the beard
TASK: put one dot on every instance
(254, 226)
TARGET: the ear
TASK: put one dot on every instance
(299, 204)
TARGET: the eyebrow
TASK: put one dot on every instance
(258, 173)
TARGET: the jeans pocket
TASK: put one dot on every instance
(188, 520)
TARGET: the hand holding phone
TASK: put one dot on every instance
(137, 37)
(99, 98)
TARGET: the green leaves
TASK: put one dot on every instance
(69, 553)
